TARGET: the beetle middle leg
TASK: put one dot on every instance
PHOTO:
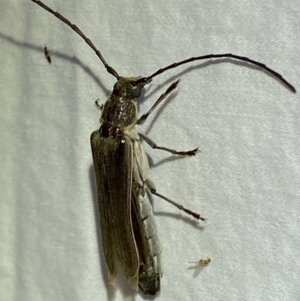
(152, 189)
(172, 151)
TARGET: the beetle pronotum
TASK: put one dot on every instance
(121, 167)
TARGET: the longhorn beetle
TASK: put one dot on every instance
(121, 168)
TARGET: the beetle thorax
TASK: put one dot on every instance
(120, 109)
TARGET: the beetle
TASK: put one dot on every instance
(203, 261)
(129, 235)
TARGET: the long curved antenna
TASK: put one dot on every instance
(78, 31)
(213, 56)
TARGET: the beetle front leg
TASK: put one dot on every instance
(143, 118)
(172, 151)
(100, 107)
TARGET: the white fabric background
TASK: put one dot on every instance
(246, 180)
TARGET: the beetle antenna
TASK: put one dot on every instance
(109, 69)
(228, 55)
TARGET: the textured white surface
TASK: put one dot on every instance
(246, 180)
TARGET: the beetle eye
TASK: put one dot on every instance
(133, 90)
